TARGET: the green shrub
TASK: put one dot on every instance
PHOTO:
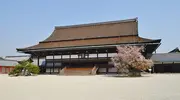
(33, 69)
(17, 70)
(25, 68)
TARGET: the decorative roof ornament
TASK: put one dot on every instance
(176, 50)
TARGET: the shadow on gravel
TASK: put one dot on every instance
(123, 76)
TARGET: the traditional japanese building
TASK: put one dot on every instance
(7, 65)
(167, 62)
(87, 47)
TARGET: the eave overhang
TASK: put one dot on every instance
(153, 42)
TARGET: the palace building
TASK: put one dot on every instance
(7, 65)
(87, 48)
(166, 62)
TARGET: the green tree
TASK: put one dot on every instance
(25, 68)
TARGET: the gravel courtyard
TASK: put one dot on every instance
(53, 87)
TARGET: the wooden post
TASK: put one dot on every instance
(107, 54)
(106, 70)
(69, 59)
(152, 71)
(69, 56)
(50, 66)
(172, 67)
(53, 62)
(61, 64)
(78, 56)
(38, 61)
(88, 55)
(97, 54)
(61, 56)
(45, 63)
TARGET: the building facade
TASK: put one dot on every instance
(7, 65)
(167, 62)
(85, 47)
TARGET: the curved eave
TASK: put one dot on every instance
(28, 49)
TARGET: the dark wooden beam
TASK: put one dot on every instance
(61, 56)
(69, 59)
(107, 54)
(45, 63)
(107, 70)
(70, 56)
(97, 54)
(38, 61)
(53, 62)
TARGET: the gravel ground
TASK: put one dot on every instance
(53, 87)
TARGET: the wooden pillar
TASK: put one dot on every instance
(50, 67)
(97, 54)
(61, 64)
(45, 63)
(53, 62)
(69, 56)
(106, 70)
(38, 61)
(107, 54)
(78, 56)
(61, 56)
(163, 67)
(88, 55)
(97, 72)
(61, 59)
(152, 70)
(172, 67)
(69, 59)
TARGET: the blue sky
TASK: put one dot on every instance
(26, 22)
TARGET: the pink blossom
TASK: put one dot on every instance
(130, 57)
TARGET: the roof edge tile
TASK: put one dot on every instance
(97, 23)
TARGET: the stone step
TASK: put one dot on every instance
(78, 71)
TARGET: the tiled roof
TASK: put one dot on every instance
(94, 30)
(103, 33)
(166, 57)
(18, 58)
(8, 63)
(176, 50)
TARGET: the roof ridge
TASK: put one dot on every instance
(96, 23)
(18, 56)
(8, 60)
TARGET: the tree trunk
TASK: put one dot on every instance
(134, 72)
